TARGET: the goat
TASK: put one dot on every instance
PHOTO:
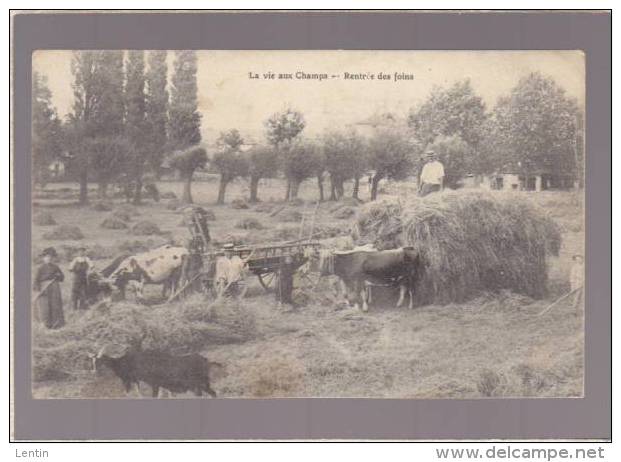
(159, 369)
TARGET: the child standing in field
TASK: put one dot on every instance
(49, 298)
(576, 278)
(80, 267)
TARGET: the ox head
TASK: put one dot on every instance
(105, 353)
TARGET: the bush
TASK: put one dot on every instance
(134, 247)
(64, 232)
(113, 223)
(43, 218)
(145, 228)
(173, 204)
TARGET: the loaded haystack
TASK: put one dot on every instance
(468, 242)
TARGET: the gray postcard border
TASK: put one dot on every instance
(369, 419)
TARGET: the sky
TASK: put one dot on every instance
(229, 98)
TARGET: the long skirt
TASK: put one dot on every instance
(50, 305)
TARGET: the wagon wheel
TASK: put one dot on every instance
(266, 279)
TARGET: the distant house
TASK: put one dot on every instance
(56, 170)
(516, 181)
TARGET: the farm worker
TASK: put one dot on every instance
(49, 298)
(229, 272)
(284, 292)
(197, 223)
(80, 266)
(576, 278)
(432, 176)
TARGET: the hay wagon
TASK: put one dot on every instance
(264, 261)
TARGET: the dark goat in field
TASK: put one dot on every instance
(159, 369)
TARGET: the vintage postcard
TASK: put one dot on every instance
(271, 224)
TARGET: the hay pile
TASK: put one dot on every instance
(168, 195)
(249, 223)
(113, 223)
(64, 232)
(180, 328)
(264, 208)
(289, 216)
(239, 204)
(145, 228)
(43, 218)
(468, 242)
(343, 213)
(102, 206)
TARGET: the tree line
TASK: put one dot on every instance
(127, 119)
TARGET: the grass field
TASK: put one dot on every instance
(494, 345)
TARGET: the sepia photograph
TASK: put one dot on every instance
(307, 224)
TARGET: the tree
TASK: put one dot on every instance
(136, 127)
(391, 155)
(456, 156)
(86, 96)
(345, 157)
(453, 111)
(301, 159)
(156, 109)
(230, 161)
(184, 119)
(98, 114)
(186, 162)
(109, 121)
(264, 162)
(284, 126)
(537, 128)
(46, 129)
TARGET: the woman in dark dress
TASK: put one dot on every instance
(49, 301)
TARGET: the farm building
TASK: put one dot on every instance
(514, 181)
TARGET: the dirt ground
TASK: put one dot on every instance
(495, 345)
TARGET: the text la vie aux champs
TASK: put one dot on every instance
(355, 76)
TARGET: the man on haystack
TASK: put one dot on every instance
(432, 175)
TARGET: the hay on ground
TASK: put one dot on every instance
(168, 195)
(122, 215)
(43, 218)
(344, 212)
(264, 208)
(249, 223)
(113, 223)
(64, 232)
(239, 204)
(145, 228)
(468, 242)
(290, 216)
(179, 328)
(127, 209)
(102, 206)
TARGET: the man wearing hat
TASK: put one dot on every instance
(49, 298)
(80, 266)
(230, 272)
(432, 175)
